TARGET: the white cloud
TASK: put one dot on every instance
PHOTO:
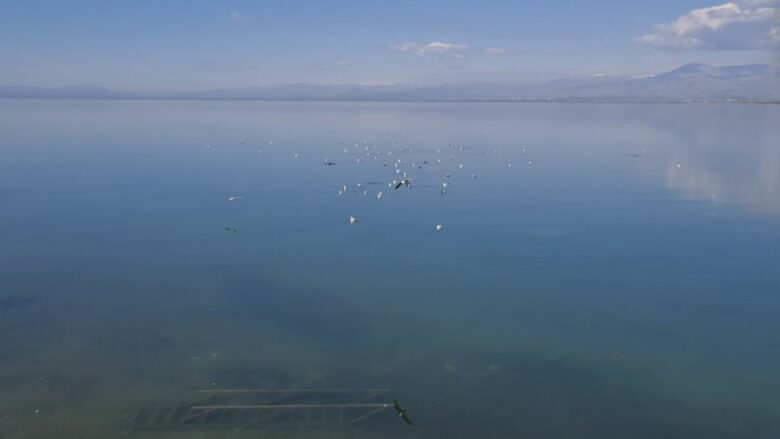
(451, 50)
(774, 34)
(741, 24)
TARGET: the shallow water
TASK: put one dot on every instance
(619, 280)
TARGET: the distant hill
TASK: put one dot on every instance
(688, 83)
(69, 92)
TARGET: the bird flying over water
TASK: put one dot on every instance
(402, 413)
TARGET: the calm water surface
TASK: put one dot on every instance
(619, 280)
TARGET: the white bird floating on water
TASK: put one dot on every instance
(237, 197)
(379, 196)
(352, 219)
(439, 227)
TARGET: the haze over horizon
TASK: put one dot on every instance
(176, 45)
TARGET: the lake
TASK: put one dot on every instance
(601, 270)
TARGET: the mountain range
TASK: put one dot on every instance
(688, 83)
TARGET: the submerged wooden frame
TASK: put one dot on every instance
(247, 408)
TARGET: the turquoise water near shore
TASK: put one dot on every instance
(618, 280)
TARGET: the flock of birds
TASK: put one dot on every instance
(400, 163)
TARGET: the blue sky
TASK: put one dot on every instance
(195, 44)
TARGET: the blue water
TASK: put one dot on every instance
(619, 280)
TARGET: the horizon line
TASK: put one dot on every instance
(473, 100)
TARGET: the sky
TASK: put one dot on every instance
(166, 45)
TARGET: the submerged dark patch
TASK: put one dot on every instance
(17, 301)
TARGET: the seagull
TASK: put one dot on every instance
(439, 227)
(404, 182)
(402, 413)
(238, 197)
(352, 219)
(231, 230)
(329, 163)
(379, 195)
